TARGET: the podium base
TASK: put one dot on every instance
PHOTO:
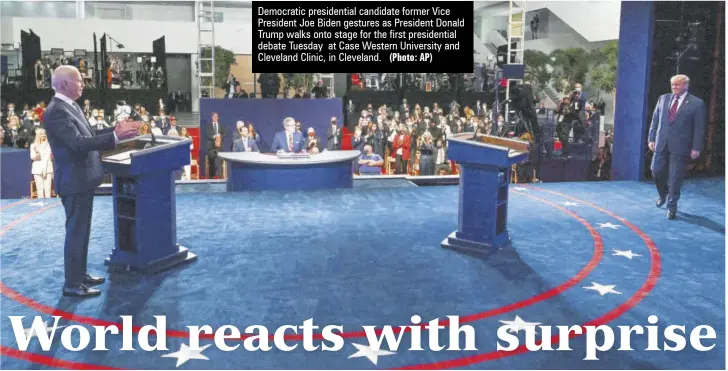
(473, 247)
(182, 256)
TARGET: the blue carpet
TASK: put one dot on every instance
(371, 256)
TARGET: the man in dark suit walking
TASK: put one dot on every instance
(677, 134)
(78, 171)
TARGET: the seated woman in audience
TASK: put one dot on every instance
(42, 167)
(253, 133)
(16, 135)
(144, 129)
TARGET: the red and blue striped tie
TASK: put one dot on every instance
(673, 109)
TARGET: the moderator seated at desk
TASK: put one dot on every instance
(254, 171)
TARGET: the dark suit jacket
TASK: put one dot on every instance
(75, 145)
(333, 141)
(686, 133)
(238, 145)
(210, 134)
(280, 142)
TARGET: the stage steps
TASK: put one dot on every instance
(188, 119)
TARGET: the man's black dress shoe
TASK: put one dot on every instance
(660, 201)
(80, 291)
(92, 281)
(671, 214)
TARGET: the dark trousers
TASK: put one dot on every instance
(563, 129)
(79, 209)
(401, 165)
(669, 171)
(427, 165)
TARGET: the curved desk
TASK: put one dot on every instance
(253, 171)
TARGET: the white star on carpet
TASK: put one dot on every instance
(521, 189)
(519, 324)
(603, 289)
(626, 253)
(186, 353)
(30, 332)
(608, 225)
(370, 352)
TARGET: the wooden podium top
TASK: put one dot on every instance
(515, 146)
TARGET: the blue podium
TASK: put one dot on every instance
(485, 173)
(145, 215)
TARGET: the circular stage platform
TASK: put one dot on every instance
(597, 253)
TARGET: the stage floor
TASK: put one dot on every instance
(371, 256)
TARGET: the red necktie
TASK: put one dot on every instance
(673, 109)
(290, 143)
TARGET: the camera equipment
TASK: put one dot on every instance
(525, 118)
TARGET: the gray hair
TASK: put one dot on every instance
(289, 121)
(239, 124)
(62, 74)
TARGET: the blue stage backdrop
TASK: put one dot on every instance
(267, 116)
(15, 173)
(632, 112)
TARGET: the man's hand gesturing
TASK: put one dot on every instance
(127, 129)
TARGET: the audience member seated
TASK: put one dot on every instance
(172, 129)
(370, 163)
(16, 136)
(253, 133)
(214, 162)
(42, 166)
(31, 125)
(245, 143)
(236, 134)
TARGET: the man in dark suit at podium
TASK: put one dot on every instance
(288, 140)
(677, 134)
(78, 171)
